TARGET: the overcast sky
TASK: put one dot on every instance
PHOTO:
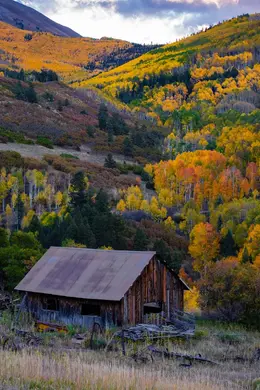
(144, 21)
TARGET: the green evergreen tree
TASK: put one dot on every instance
(246, 258)
(72, 232)
(4, 238)
(140, 240)
(35, 225)
(110, 137)
(227, 245)
(103, 117)
(219, 201)
(128, 147)
(110, 162)
(19, 207)
(102, 203)
(86, 236)
(31, 95)
(219, 223)
(78, 191)
(173, 258)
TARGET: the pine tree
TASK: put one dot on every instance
(86, 236)
(246, 258)
(102, 204)
(227, 245)
(35, 225)
(110, 162)
(110, 137)
(72, 231)
(219, 223)
(128, 147)
(78, 189)
(20, 211)
(4, 238)
(140, 240)
(103, 117)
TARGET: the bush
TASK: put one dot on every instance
(230, 290)
(69, 156)
(24, 93)
(48, 96)
(11, 136)
(91, 131)
(10, 160)
(230, 338)
(28, 37)
(46, 142)
(256, 384)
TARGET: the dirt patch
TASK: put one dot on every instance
(37, 151)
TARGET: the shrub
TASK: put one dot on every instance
(69, 156)
(230, 338)
(91, 131)
(256, 384)
(28, 37)
(83, 112)
(10, 159)
(48, 96)
(11, 136)
(24, 93)
(46, 142)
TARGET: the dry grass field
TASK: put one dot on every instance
(58, 365)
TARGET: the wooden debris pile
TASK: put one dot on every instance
(180, 324)
(153, 332)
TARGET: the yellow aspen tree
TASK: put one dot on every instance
(204, 246)
(121, 206)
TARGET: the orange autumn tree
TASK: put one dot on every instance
(231, 290)
(204, 246)
(202, 175)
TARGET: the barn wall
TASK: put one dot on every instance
(69, 311)
(156, 284)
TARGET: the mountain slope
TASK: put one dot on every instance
(73, 59)
(193, 69)
(27, 18)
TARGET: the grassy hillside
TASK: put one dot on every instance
(72, 58)
(67, 117)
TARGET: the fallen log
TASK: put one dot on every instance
(173, 355)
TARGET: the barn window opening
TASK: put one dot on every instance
(152, 307)
(51, 304)
(90, 310)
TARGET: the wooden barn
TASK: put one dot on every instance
(79, 286)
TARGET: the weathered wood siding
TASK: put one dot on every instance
(156, 284)
(69, 311)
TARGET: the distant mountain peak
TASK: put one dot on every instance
(27, 18)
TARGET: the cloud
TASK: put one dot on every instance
(155, 8)
(141, 20)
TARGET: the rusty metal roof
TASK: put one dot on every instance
(85, 273)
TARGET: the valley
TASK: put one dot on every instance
(112, 145)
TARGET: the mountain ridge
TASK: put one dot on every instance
(27, 18)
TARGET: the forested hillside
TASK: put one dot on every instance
(188, 113)
(74, 59)
(205, 68)
(206, 90)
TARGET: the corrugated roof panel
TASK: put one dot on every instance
(85, 273)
